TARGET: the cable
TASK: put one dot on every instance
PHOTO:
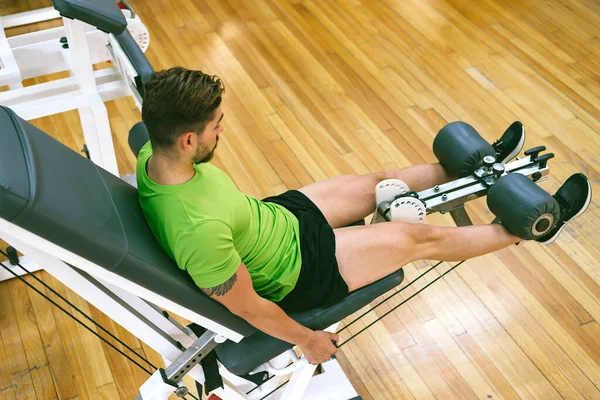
(82, 313)
(389, 297)
(274, 390)
(384, 315)
(150, 373)
(71, 315)
(262, 383)
(76, 308)
(388, 312)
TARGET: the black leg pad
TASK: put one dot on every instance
(460, 148)
(525, 209)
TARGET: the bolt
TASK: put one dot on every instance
(444, 197)
(436, 188)
(181, 391)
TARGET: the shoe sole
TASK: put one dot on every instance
(517, 149)
(583, 209)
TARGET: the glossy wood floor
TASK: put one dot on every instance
(321, 88)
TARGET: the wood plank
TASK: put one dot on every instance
(109, 392)
(84, 383)
(127, 376)
(499, 383)
(15, 369)
(319, 89)
(53, 347)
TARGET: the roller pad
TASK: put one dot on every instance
(138, 137)
(524, 208)
(460, 149)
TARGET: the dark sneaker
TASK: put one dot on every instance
(573, 197)
(511, 143)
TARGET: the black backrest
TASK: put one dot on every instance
(56, 193)
(138, 60)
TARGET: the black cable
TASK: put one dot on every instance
(262, 383)
(379, 319)
(148, 372)
(274, 390)
(389, 297)
(267, 380)
(82, 313)
(70, 315)
(416, 293)
(78, 310)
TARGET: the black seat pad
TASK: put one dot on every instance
(137, 58)
(241, 358)
(103, 14)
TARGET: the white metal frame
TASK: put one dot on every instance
(30, 17)
(128, 304)
(85, 90)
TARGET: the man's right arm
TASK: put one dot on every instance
(238, 295)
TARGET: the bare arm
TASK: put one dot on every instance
(238, 295)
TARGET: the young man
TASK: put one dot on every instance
(293, 251)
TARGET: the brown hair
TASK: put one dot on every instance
(178, 100)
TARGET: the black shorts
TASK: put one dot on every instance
(320, 282)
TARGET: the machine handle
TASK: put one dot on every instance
(535, 151)
(543, 160)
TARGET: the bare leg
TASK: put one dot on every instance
(368, 253)
(348, 198)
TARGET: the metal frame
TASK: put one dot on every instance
(452, 196)
(73, 47)
(85, 90)
(29, 17)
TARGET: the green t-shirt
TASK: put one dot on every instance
(209, 227)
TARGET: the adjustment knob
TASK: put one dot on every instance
(498, 170)
(488, 161)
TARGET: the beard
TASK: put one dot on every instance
(202, 156)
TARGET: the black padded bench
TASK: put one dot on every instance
(57, 194)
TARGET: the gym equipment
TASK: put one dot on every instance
(85, 227)
(523, 207)
(92, 32)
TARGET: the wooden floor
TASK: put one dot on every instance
(315, 89)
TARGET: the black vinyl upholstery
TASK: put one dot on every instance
(57, 194)
(107, 16)
(460, 148)
(137, 58)
(103, 14)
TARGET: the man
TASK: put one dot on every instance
(293, 251)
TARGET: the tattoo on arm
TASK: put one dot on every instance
(221, 289)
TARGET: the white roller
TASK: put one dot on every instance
(388, 189)
(408, 209)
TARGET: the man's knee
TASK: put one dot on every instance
(378, 176)
(418, 241)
